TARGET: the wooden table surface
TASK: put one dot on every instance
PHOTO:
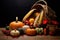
(25, 37)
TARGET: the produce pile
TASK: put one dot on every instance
(37, 21)
(17, 28)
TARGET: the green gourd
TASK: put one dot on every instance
(39, 30)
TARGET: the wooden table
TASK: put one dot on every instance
(25, 37)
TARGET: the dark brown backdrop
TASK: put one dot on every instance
(9, 9)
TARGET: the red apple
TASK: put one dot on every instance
(26, 22)
(45, 21)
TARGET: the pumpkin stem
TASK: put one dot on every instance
(16, 19)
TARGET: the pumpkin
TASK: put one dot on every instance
(16, 24)
(30, 31)
(39, 30)
(14, 33)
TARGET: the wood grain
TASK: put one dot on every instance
(25, 37)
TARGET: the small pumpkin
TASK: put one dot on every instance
(15, 33)
(16, 24)
(30, 31)
(39, 30)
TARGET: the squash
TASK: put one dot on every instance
(30, 31)
(39, 30)
(25, 27)
(15, 33)
(16, 24)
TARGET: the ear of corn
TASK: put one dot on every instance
(28, 14)
(41, 17)
(36, 20)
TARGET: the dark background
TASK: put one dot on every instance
(9, 9)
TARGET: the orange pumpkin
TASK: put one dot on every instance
(30, 31)
(16, 24)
